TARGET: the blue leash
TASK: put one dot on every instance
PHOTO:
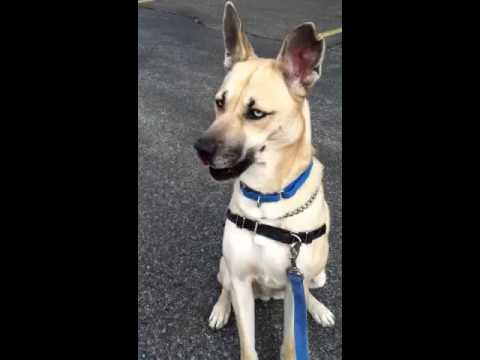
(300, 315)
(295, 277)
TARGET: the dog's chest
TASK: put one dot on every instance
(247, 254)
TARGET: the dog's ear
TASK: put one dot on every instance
(301, 57)
(237, 46)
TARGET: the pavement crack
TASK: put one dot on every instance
(196, 20)
(263, 37)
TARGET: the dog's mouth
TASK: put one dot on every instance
(231, 172)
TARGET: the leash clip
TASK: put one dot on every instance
(295, 250)
(259, 201)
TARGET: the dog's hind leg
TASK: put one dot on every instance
(222, 309)
(318, 281)
(319, 312)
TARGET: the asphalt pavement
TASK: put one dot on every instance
(181, 209)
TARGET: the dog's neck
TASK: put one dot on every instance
(279, 165)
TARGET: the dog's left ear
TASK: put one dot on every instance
(301, 57)
(237, 46)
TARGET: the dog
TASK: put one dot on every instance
(261, 138)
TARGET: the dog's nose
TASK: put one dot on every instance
(206, 148)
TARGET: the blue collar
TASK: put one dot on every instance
(286, 193)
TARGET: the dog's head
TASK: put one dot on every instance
(259, 103)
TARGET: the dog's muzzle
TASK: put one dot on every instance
(206, 149)
(224, 163)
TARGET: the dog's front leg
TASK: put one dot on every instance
(244, 308)
(287, 351)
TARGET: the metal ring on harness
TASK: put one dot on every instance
(296, 237)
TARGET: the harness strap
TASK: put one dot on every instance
(275, 233)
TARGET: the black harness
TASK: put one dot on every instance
(275, 233)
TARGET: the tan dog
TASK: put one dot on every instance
(261, 137)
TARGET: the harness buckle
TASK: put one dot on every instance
(240, 221)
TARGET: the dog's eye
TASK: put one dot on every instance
(220, 103)
(255, 114)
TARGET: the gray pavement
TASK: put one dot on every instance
(265, 18)
(181, 209)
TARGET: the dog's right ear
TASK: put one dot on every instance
(237, 46)
(301, 58)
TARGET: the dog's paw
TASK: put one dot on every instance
(320, 313)
(287, 352)
(220, 314)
